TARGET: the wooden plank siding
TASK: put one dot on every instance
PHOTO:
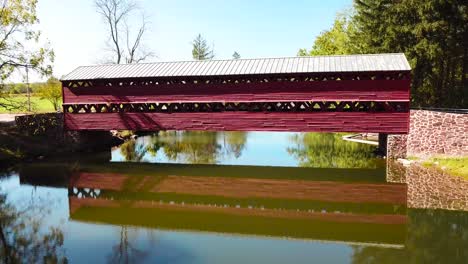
(365, 90)
(106, 97)
(393, 123)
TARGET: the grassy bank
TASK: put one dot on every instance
(16, 146)
(454, 166)
(38, 105)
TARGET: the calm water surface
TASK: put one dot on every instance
(192, 197)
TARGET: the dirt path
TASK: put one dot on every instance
(7, 118)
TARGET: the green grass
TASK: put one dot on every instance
(413, 158)
(454, 166)
(38, 105)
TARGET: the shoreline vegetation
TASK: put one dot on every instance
(18, 146)
(455, 166)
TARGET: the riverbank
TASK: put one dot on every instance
(16, 146)
(44, 137)
(456, 166)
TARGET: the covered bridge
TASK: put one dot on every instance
(352, 93)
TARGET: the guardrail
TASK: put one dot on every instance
(446, 110)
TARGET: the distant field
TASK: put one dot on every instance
(38, 105)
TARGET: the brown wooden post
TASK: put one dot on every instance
(383, 143)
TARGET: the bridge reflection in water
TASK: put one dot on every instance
(353, 206)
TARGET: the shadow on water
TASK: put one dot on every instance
(181, 213)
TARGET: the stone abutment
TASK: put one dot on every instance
(431, 133)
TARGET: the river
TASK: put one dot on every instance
(222, 197)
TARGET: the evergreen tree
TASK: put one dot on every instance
(201, 50)
(236, 55)
(432, 34)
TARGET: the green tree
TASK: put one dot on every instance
(201, 50)
(19, 44)
(52, 92)
(335, 41)
(431, 33)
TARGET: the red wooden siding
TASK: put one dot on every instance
(393, 123)
(345, 90)
(354, 93)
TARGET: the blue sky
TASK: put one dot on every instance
(255, 28)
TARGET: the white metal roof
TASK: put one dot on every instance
(313, 64)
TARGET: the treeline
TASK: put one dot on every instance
(433, 34)
(50, 90)
(22, 88)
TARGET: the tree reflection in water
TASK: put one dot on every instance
(434, 236)
(190, 146)
(322, 150)
(132, 151)
(21, 237)
(197, 147)
(125, 251)
(329, 150)
(234, 143)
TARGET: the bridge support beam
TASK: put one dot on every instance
(93, 140)
(383, 138)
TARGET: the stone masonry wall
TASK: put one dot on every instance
(397, 146)
(441, 133)
(431, 133)
(49, 127)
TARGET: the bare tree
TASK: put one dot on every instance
(124, 43)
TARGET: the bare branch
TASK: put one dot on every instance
(116, 13)
(132, 49)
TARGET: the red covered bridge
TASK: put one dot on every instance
(353, 93)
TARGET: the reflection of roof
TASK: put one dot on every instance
(287, 65)
(350, 243)
(345, 228)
